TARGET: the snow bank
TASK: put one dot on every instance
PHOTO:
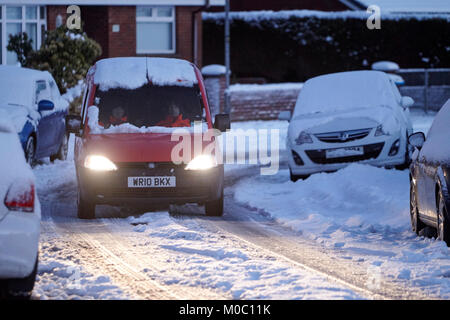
(134, 72)
(437, 146)
(331, 201)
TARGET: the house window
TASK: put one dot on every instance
(15, 19)
(155, 29)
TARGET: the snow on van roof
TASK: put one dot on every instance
(345, 91)
(134, 72)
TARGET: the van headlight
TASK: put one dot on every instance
(99, 163)
(202, 162)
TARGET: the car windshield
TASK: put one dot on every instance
(149, 105)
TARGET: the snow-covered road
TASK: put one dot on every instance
(346, 237)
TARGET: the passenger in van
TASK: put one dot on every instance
(117, 117)
(174, 118)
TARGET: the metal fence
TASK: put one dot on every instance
(430, 88)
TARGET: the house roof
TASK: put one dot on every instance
(117, 2)
(421, 6)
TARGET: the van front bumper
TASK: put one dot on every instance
(112, 187)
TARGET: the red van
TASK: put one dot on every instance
(125, 141)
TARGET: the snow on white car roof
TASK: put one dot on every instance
(14, 79)
(345, 91)
(134, 72)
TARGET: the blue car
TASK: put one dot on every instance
(33, 101)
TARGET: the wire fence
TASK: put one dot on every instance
(430, 88)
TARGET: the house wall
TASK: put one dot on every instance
(98, 22)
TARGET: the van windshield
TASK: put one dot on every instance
(148, 106)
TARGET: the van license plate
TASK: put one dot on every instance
(151, 182)
(344, 152)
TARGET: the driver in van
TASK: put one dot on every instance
(174, 118)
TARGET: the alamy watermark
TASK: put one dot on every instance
(235, 146)
(374, 20)
(74, 19)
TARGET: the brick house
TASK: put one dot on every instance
(170, 28)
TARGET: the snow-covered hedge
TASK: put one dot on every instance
(296, 45)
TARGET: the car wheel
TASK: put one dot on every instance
(416, 223)
(30, 150)
(21, 288)
(62, 151)
(294, 177)
(443, 229)
(86, 208)
(214, 208)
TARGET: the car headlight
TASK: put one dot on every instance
(303, 137)
(99, 163)
(202, 162)
(380, 131)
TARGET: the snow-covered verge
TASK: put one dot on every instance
(362, 211)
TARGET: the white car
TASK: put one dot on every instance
(20, 216)
(348, 117)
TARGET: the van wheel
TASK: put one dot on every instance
(214, 208)
(62, 151)
(86, 208)
(21, 288)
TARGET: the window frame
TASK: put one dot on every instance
(155, 18)
(39, 21)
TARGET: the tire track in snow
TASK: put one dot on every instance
(264, 234)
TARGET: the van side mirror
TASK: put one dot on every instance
(407, 102)
(73, 124)
(417, 140)
(285, 115)
(222, 122)
(45, 105)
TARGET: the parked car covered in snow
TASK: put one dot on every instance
(123, 149)
(348, 117)
(32, 100)
(20, 216)
(430, 177)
